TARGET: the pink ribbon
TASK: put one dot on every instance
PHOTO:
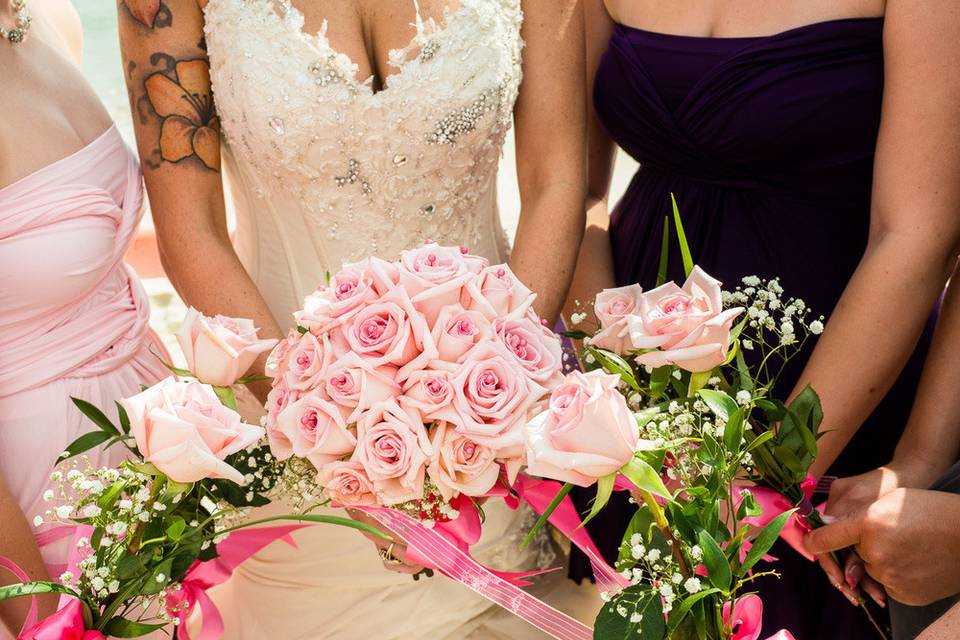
(14, 568)
(65, 624)
(451, 561)
(201, 576)
(745, 619)
(774, 504)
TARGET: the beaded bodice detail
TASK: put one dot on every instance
(368, 172)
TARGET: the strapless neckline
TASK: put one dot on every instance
(91, 146)
(748, 39)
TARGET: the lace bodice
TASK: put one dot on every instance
(325, 170)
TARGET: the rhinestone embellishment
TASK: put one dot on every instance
(465, 120)
(277, 125)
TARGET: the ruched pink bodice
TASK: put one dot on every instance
(69, 306)
(73, 315)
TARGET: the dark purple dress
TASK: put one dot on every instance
(768, 144)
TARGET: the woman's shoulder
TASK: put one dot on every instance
(63, 17)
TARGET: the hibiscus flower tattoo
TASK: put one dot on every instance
(184, 101)
(150, 13)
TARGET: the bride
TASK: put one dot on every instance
(347, 128)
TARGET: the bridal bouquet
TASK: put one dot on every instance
(406, 384)
(149, 536)
(677, 407)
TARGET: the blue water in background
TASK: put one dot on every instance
(101, 59)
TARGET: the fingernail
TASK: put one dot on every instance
(854, 575)
(852, 600)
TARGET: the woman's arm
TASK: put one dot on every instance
(17, 544)
(550, 124)
(915, 224)
(931, 441)
(595, 263)
(946, 628)
(178, 135)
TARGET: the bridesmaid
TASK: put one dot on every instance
(73, 316)
(815, 141)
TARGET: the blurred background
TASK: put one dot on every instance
(103, 68)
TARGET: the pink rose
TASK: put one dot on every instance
(493, 395)
(430, 392)
(279, 398)
(687, 327)
(461, 465)
(316, 430)
(276, 366)
(307, 362)
(587, 433)
(497, 292)
(219, 350)
(346, 483)
(393, 448)
(536, 348)
(347, 291)
(434, 277)
(389, 331)
(353, 383)
(456, 331)
(614, 308)
(184, 430)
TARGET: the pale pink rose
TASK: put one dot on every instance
(687, 327)
(276, 366)
(354, 384)
(493, 396)
(536, 348)
(346, 483)
(497, 292)
(219, 350)
(430, 392)
(460, 465)
(456, 331)
(386, 275)
(279, 398)
(615, 337)
(612, 305)
(434, 277)
(389, 331)
(587, 433)
(316, 430)
(184, 430)
(307, 362)
(346, 293)
(393, 448)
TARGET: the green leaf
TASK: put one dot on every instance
(698, 381)
(604, 491)
(183, 373)
(252, 379)
(130, 566)
(545, 516)
(719, 402)
(615, 365)
(302, 330)
(34, 589)
(790, 460)
(679, 613)
(96, 416)
(642, 522)
(176, 528)
(575, 334)
(718, 567)
(748, 506)
(733, 431)
(763, 542)
(158, 578)
(682, 238)
(119, 627)
(664, 252)
(660, 380)
(610, 625)
(645, 477)
(84, 443)
(227, 397)
(123, 417)
(759, 440)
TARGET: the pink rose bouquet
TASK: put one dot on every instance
(408, 384)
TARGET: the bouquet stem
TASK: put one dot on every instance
(660, 518)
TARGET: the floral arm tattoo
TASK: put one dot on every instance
(171, 95)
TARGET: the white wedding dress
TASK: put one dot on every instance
(323, 170)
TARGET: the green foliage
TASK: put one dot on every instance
(641, 604)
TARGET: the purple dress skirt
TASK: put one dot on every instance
(768, 144)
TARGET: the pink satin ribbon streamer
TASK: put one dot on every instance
(233, 551)
(65, 624)
(774, 504)
(450, 560)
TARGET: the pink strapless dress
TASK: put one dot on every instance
(73, 315)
